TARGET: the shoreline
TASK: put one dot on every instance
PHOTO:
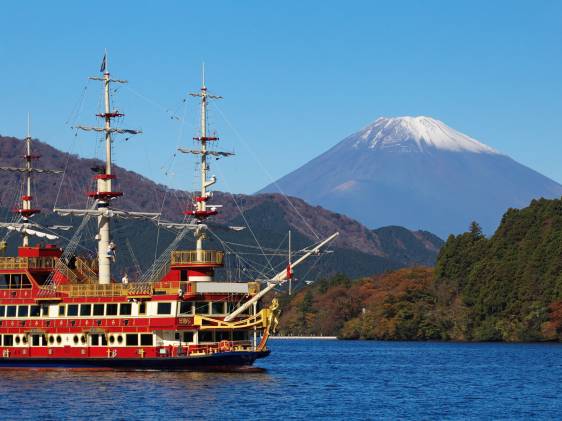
(326, 338)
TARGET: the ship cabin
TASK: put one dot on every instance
(54, 307)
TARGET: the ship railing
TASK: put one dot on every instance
(223, 346)
(133, 289)
(10, 263)
(197, 257)
(106, 290)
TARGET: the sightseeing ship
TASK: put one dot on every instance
(62, 310)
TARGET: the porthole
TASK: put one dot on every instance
(83, 339)
(24, 339)
(75, 339)
(51, 339)
(17, 339)
(59, 339)
(111, 339)
(120, 339)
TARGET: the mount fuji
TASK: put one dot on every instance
(419, 173)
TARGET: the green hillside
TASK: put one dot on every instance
(504, 288)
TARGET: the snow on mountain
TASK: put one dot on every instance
(419, 173)
(416, 133)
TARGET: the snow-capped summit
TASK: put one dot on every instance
(419, 173)
(411, 134)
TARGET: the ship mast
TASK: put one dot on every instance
(26, 210)
(104, 194)
(202, 210)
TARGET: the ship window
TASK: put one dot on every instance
(239, 335)
(202, 307)
(8, 340)
(111, 310)
(85, 310)
(4, 281)
(24, 339)
(205, 336)
(72, 310)
(59, 339)
(17, 339)
(11, 311)
(44, 310)
(186, 307)
(222, 336)
(111, 339)
(125, 309)
(217, 308)
(119, 338)
(98, 309)
(188, 336)
(2, 311)
(132, 339)
(98, 339)
(83, 339)
(25, 283)
(146, 339)
(41, 278)
(23, 311)
(61, 310)
(75, 339)
(142, 307)
(35, 340)
(19, 281)
(34, 311)
(15, 280)
(51, 339)
(164, 308)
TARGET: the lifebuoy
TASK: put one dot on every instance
(224, 346)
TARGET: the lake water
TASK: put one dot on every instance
(315, 379)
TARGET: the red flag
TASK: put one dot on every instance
(289, 271)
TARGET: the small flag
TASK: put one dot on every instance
(102, 67)
(289, 271)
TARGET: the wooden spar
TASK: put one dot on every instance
(278, 279)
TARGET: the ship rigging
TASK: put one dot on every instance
(59, 309)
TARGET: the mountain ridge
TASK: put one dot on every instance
(394, 246)
(440, 190)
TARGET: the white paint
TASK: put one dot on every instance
(423, 133)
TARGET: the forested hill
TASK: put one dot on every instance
(359, 250)
(511, 284)
(504, 288)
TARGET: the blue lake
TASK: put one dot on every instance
(312, 379)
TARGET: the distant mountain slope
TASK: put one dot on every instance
(419, 173)
(360, 251)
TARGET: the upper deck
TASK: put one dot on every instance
(25, 276)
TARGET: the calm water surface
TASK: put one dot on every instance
(312, 379)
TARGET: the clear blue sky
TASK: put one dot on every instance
(297, 76)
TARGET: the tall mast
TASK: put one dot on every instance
(202, 210)
(26, 210)
(26, 200)
(105, 193)
(104, 185)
